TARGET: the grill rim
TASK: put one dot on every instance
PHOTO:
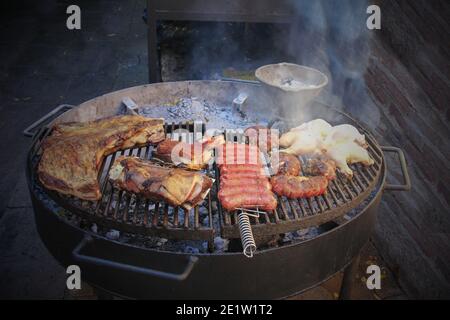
(206, 280)
(378, 188)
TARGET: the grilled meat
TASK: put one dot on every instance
(178, 187)
(73, 153)
(243, 184)
(239, 176)
(348, 153)
(345, 133)
(235, 182)
(343, 143)
(227, 190)
(300, 143)
(242, 169)
(194, 156)
(320, 167)
(262, 200)
(287, 164)
(233, 196)
(305, 139)
(294, 187)
(237, 153)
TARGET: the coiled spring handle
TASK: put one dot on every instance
(245, 230)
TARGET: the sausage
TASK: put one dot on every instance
(321, 167)
(241, 168)
(288, 164)
(294, 187)
(236, 183)
(245, 186)
(237, 160)
(241, 176)
(237, 153)
(265, 201)
(251, 189)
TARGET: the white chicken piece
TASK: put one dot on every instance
(305, 139)
(318, 126)
(347, 153)
(344, 133)
(343, 143)
(287, 139)
(300, 142)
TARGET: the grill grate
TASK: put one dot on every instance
(294, 214)
(130, 213)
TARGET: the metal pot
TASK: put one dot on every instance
(291, 86)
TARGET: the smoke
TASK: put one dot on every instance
(328, 35)
(332, 37)
(232, 50)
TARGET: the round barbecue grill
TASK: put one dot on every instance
(344, 217)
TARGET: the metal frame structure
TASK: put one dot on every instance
(249, 11)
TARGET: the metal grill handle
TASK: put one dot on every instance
(79, 257)
(247, 239)
(28, 132)
(401, 156)
(240, 80)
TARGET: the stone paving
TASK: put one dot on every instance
(42, 64)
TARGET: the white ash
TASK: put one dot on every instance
(203, 213)
(301, 235)
(181, 216)
(352, 213)
(113, 234)
(194, 109)
(221, 244)
(190, 246)
(191, 250)
(302, 232)
(161, 242)
(215, 221)
(126, 238)
(185, 246)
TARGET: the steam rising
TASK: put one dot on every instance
(330, 36)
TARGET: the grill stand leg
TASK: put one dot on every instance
(348, 279)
